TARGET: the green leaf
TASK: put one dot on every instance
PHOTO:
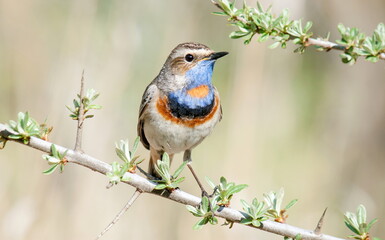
(121, 155)
(51, 169)
(179, 180)
(124, 169)
(115, 167)
(223, 181)
(248, 40)
(225, 4)
(346, 58)
(298, 237)
(200, 224)
(205, 203)
(372, 59)
(211, 183)
(213, 220)
(51, 160)
(237, 189)
(297, 41)
(14, 137)
(180, 169)
(260, 9)
(238, 34)
(135, 146)
(341, 28)
(353, 229)
(307, 26)
(76, 104)
(370, 224)
(300, 49)
(160, 186)
(263, 37)
(192, 209)
(245, 205)
(166, 159)
(54, 151)
(95, 107)
(246, 221)
(291, 203)
(256, 223)
(274, 45)
(361, 214)
(220, 13)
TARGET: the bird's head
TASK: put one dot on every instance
(191, 64)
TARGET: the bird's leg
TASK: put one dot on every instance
(187, 158)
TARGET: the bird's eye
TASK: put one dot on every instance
(189, 57)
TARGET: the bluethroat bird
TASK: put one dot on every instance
(180, 107)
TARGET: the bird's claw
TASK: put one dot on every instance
(205, 194)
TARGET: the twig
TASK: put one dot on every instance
(121, 212)
(331, 45)
(324, 44)
(79, 132)
(320, 223)
(231, 215)
(233, 17)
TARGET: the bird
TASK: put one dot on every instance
(181, 106)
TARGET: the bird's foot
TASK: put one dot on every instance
(205, 194)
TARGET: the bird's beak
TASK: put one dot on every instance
(217, 55)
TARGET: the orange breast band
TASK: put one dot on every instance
(163, 109)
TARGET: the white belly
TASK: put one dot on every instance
(171, 137)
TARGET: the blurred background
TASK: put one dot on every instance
(307, 123)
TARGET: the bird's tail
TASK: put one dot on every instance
(154, 157)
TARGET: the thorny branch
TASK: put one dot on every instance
(146, 186)
(121, 212)
(317, 42)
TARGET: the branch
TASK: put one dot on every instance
(81, 117)
(252, 21)
(146, 186)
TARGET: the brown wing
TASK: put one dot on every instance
(220, 105)
(147, 97)
(220, 117)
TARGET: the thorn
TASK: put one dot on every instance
(110, 185)
(317, 230)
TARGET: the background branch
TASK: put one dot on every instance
(81, 117)
(144, 185)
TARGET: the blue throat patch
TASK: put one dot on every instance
(181, 104)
